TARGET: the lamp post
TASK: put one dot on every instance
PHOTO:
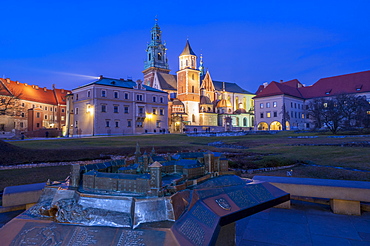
(90, 111)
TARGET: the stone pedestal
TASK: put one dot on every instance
(345, 207)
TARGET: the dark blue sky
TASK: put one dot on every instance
(247, 42)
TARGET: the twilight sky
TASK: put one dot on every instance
(247, 42)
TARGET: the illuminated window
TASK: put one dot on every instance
(274, 104)
(268, 114)
(261, 105)
(267, 105)
(154, 111)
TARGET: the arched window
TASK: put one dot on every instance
(186, 62)
(192, 76)
(159, 56)
(192, 62)
(193, 118)
(244, 121)
(192, 88)
(150, 56)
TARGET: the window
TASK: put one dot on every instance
(299, 106)
(261, 105)
(62, 118)
(139, 97)
(76, 111)
(139, 124)
(22, 104)
(192, 89)
(115, 109)
(22, 115)
(161, 111)
(76, 97)
(128, 123)
(117, 124)
(267, 105)
(274, 104)
(63, 110)
(46, 108)
(302, 116)
(291, 104)
(88, 93)
(126, 109)
(261, 116)
(154, 111)
(45, 117)
(103, 108)
(192, 76)
(275, 114)
(292, 114)
(141, 110)
(37, 125)
(268, 114)
(158, 124)
(107, 123)
(154, 99)
(161, 99)
(116, 94)
(295, 105)
(21, 124)
(159, 56)
(126, 96)
(103, 93)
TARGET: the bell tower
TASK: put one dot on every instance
(188, 83)
(156, 56)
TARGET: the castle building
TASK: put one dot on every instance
(196, 101)
(279, 102)
(117, 107)
(29, 108)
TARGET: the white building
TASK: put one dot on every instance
(117, 107)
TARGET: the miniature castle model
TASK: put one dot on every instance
(144, 177)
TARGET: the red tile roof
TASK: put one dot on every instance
(33, 92)
(290, 87)
(331, 86)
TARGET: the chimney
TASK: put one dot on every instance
(8, 80)
(45, 89)
(281, 81)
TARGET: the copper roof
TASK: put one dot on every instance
(33, 92)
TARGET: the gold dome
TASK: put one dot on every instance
(224, 104)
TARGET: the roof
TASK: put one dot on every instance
(287, 88)
(205, 100)
(118, 175)
(188, 164)
(33, 93)
(229, 87)
(155, 164)
(129, 84)
(223, 103)
(188, 155)
(167, 81)
(187, 50)
(331, 86)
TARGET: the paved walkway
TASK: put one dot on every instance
(304, 224)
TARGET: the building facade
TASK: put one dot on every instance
(283, 105)
(117, 107)
(29, 108)
(195, 100)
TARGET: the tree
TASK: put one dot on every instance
(341, 111)
(9, 104)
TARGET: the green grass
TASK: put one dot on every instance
(262, 151)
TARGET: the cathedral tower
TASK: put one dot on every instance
(188, 83)
(156, 56)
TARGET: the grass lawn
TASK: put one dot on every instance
(261, 150)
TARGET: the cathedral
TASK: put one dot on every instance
(195, 100)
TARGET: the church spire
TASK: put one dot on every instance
(156, 50)
(188, 59)
(201, 66)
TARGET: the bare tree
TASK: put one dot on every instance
(8, 101)
(341, 111)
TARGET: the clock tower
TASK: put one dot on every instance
(156, 56)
